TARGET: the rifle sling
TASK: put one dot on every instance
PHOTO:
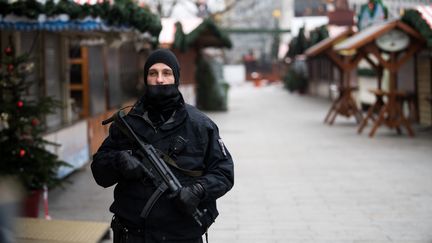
(166, 158)
(170, 161)
(152, 200)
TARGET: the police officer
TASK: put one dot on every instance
(205, 167)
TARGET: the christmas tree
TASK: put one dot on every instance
(22, 146)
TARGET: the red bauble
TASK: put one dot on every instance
(35, 122)
(8, 51)
(22, 153)
(10, 68)
(20, 103)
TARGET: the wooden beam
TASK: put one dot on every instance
(85, 82)
(372, 48)
(354, 62)
(372, 63)
(410, 31)
(336, 59)
(408, 54)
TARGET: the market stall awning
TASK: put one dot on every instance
(59, 23)
(118, 16)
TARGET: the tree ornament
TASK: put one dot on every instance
(35, 122)
(10, 68)
(8, 51)
(22, 153)
(20, 104)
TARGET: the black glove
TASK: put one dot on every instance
(189, 197)
(129, 166)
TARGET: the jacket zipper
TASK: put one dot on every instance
(151, 125)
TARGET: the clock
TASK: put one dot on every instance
(393, 41)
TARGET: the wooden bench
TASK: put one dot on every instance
(34, 230)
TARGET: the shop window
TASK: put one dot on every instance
(78, 85)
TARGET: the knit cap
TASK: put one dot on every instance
(166, 57)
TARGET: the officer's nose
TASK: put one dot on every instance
(160, 79)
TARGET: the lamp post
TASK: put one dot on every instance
(276, 38)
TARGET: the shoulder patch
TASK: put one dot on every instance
(222, 146)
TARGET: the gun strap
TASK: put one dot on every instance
(170, 161)
(152, 200)
(166, 158)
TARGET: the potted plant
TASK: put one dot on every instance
(23, 149)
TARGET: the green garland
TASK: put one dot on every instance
(318, 34)
(414, 19)
(121, 13)
(367, 72)
(298, 44)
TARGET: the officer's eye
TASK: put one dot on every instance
(152, 73)
(167, 73)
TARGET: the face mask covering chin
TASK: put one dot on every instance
(163, 97)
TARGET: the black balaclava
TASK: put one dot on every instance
(162, 100)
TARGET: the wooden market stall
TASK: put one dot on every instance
(420, 18)
(89, 64)
(386, 46)
(345, 62)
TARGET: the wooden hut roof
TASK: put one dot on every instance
(327, 43)
(170, 28)
(371, 33)
(207, 34)
(192, 32)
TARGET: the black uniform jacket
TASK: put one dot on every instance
(204, 151)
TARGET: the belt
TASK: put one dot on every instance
(117, 225)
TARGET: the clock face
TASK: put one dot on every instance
(392, 41)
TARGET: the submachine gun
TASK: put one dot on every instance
(155, 168)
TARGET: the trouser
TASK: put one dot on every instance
(123, 234)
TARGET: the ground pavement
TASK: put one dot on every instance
(298, 180)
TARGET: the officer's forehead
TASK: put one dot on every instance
(160, 66)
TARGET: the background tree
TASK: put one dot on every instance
(22, 146)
